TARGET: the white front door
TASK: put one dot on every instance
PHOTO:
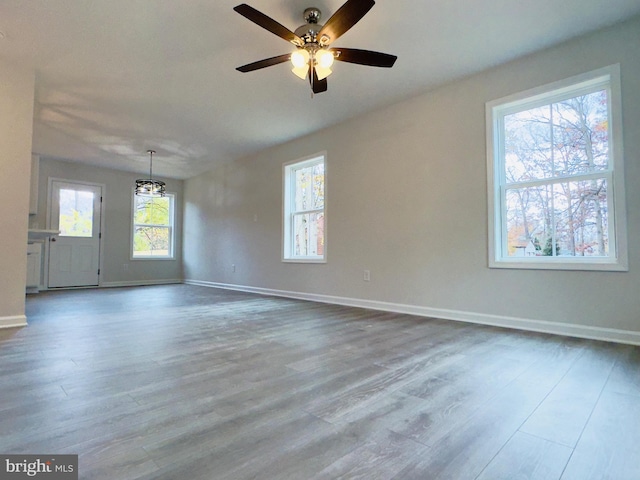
(74, 255)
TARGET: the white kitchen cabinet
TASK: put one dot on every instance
(34, 260)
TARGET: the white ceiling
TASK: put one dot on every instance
(117, 77)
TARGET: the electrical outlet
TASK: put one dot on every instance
(125, 266)
(366, 276)
(233, 267)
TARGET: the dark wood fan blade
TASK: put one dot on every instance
(267, 62)
(268, 23)
(346, 17)
(364, 57)
(318, 86)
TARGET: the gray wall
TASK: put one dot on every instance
(117, 207)
(407, 200)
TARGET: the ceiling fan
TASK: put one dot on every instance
(313, 58)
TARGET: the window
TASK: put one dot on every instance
(304, 210)
(555, 169)
(153, 219)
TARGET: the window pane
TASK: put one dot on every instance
(581, 218)
(529, 220)
(76, 213)
(527, 145)
(309, 188)
(152, 210)
(559, 139)
(303, 197)
(318, 186)
(151, 241)
(565, 219)
(308, 231)
(580, 134)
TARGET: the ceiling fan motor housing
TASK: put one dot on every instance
(309, 31)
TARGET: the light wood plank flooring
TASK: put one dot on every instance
(184, 382)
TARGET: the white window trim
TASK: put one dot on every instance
(172, 231)
(495, 112)
(287, 199)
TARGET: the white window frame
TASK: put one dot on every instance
(604, 78)
(288, 210)
(172, 230)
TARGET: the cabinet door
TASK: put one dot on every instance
(34, 254)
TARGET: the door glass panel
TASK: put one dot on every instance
(76, 213)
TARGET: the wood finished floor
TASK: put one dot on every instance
(183, 382)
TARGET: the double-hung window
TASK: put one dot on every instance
(304, 238)
(556, 186)
(153, 226)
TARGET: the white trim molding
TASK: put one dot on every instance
(542, 326)
(13, 321)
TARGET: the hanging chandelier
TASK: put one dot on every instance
(150, 186)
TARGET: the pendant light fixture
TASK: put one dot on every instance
(150, 186)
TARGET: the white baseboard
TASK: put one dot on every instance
(542, 326)
(140, 283)
(130, 283)
(13, 322)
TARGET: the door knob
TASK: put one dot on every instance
(53, 239)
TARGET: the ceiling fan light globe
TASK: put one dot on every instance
(324, 58)
(300, 58)
(323, 72)
(301, 72)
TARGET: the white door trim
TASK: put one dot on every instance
(50, 181)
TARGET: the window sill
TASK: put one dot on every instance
(152, 258)
(304, 260)
(595, 266)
